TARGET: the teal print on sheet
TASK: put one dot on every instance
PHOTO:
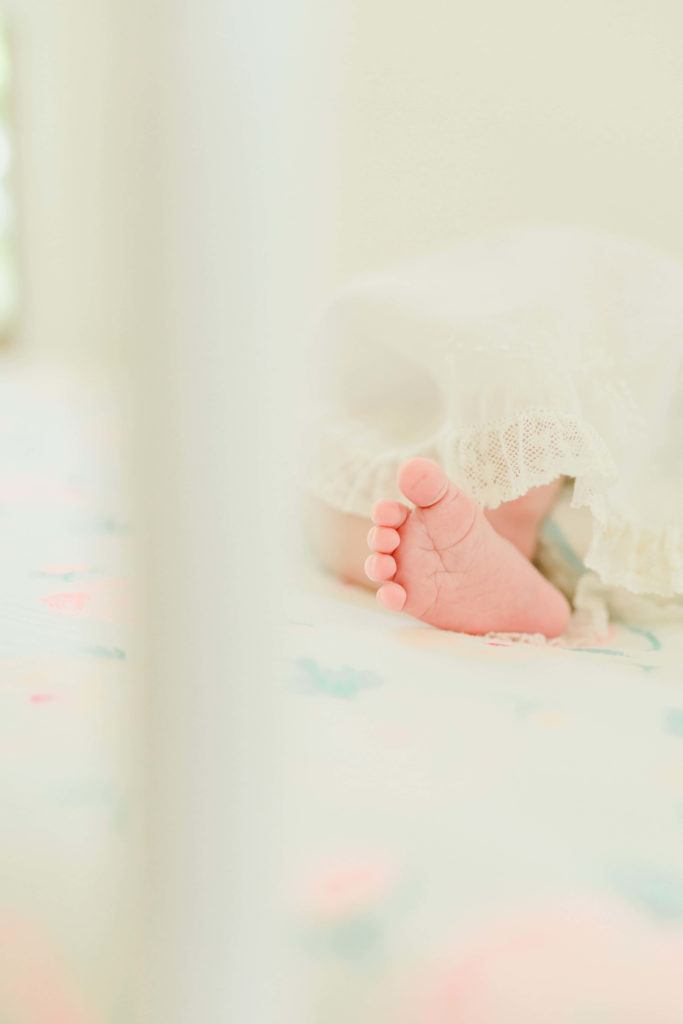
(655, 645)
(553, 534)
(673, 721)
(599, 650)
(352, 939)
(343, 683)
(366, 906)
(88, 795)
(647, 634)
(109, 524)
(526, 708)
(660, 892)
(108, 653)
(67, 576)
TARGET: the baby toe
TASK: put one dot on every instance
(380, 567)
(383, 539)
(392, 596)
(389, 513)
(423, 482)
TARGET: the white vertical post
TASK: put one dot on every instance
(225, 242)
(174, 160)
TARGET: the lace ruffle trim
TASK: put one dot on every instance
(499, 462)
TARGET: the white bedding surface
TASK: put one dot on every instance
(65, 786)
(443, 787)
(447, 800)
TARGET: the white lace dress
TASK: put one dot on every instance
(511, 360)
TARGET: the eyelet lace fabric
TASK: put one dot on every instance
(512, 360)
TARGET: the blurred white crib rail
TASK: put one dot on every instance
(170, 157)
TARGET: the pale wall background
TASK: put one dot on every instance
(456, 116)
(424, 121)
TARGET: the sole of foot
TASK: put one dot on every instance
(442, 562)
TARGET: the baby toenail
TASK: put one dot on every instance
(440, 495)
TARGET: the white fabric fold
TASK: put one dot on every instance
(511, 360)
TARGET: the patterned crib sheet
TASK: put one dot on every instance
(64, 710)
(475, 830)
(481, 830)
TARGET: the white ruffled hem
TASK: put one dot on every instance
(499, 462)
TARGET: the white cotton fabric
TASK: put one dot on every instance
(511, 360)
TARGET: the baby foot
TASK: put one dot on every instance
(442, 562)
